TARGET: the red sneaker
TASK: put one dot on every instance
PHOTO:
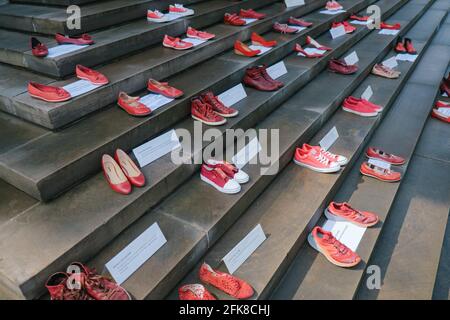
(196, 34)
(251, 14)
(409, 46)
(283, 28)
(204, 112)
(233, 19)
(194, 292)
(400, 47)
(254, 78)
(299, 22)
(90, 75)
(298, 48)
(176, 43)
(314, 43)
(229, 284)
(219, 180)
(341, 160)
(180, 10)
(315, 161)
(333, 5)
(129, 168)
(156, 16)
(359, 108)
(229, 169)
(257, 40)
(381, 174)
(132, 105)
(243, 50)
(218, 107)
(38, 49)
(395, 26)
(339, 66)
(374, 153)
(115, 176)
(343, 212)
(58, 289)
(84, 39)
(47, 93)
(377, 107)
(164, 89)
(335, 251)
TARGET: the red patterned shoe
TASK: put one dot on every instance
(194, 292)
(379, 173)
(233, 19)
(218, 179)
(375, 153)
(90, 75)
(341, 160)
(343, 212)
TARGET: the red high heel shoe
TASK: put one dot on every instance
(244, 50)
(129, 168)
(115, 176)
(257, 40)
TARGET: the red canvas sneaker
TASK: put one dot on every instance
(233, 19)
(376, 107)
(399, 46)
(57, 286)
(164, 89)
(231, 285)
(204, 112)
(299, 22)
(409, 46)
(156, 16)
(379, 173)
(129, 168)
(38, 49)
(196, 34)
(218, 107)
(335, 251)
(333, 5)
(395, 26)
(219, 180)
(344, 212)
(47, 93)
(314, 43)
(265, 74)
(298, 48)
(283, 28)
(176, 43)
(90, 75)
(243, 50)
(359, 108)
(132, 106)
(251, 14)
(194, 292)
(257, 40)
(375, 153)
(339, 66)
(115, 176)
(229, 169)
(84, 39)
(315, 161)
(179, 9)
(255, 79)
(341, 160)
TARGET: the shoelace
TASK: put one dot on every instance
(328, 153)
(322, 159)
(208, 111)
(212, 99)
(336, 243)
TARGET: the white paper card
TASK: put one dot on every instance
(277, 70)
(388, 32)
(294, 3)
(156, 148)
(329, 139)
(362, 23)
(337, 32)
(63, 49)
(406, 57)
(299, 29)
(346, 232)
(352, 58)
(332, 12)
(367, 94)
(134, 255)
(80, 87)
(312, 51)
(240, 253)
(260, 48)
(249, 20)
(155, 101)
(247, 153)
(172, 16)
(445, 94)
(233, 95)
(195, 42)
(380, 163)
(391, 62)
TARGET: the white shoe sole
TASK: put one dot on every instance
(242, 181)
(168, 46)
(313, 244)
(157, 20)
(182, 14)
(233, 191)
(326, 170)
(372, 114)
(209, 123)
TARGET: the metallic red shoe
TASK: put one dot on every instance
(257, 40)
(115, 176)
(233, 19)
(299, 22)
(409, 46)
(344, 212)
(255, 79)
(251, 14)
(375, 153)
(314, 43)
(129, 168)
(400, 47)
(57, 286)
(283, 28)
(38, 49)
(204, 112)
(132, 106)
(90, 75)
(243, 50)
(339, 66)
(47, 93)
(164, 89)
(194, 292)
(379, 173)
(84, 39)
(209, 98)
(225, 282)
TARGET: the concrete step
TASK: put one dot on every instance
(115, 41)
(310, 275)
(95, 215)
(101, 133)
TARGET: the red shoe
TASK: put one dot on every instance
(257, 40)
(164, 89)
(38, 49)
(314, 43)
(219, 180)
(283, 28)
(231, 285)
(395, 26)
(343, 212)
(299, 22)
(58, 289)
(333, 5)
(203, 112)
(445, 87)
(194, 292)
(254, 78)
(229, 169)
(176, 43)
(442, 104)
(179, 9)
(441, 113)
(266, 76)
(47, 93)
(233, 19)
(339, 66)
(335, 251)
(243, 50)
(218, 107)
(347, 26)
(251, 14)
(379, 173)
(115, 176)
(359, 108)
(90, 75)
(156, 16)
(400, 47)
(84, 39)
(129, 168)
(315, 161)
(341, 160)
(196, 34)
(132, 105)
(377, 107)
(298, 48)
(359, 18)
(374, 153)
(409, 46)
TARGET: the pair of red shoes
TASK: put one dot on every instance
(231, 285)
(340, 66)
(208, 109)
(85, 284)
(318, 159)
(121, 172)
(361, 107)
(382, 174)
(441, 111)
(223, 176)
(236, 20)
(404, 46)
(257, 77)
(347, 26)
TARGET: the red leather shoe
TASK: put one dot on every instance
(257, 40)
(399, 46)
(243, 50)
(344, 212)
(129, 168)
(132, 105)
(283, 28)
(233, 19)
(90, 75)
(255, 79)
(47, 93)
(298, 48)
(375, 153)
(204, 112)
(38, 49)
(299, 22)
(251, 14)
(314, 43)
(225, 282)
(176, 43)
(164, 89)
(339, 66)
(376, 107)
(84, 39)
(266, 76)
(58, 289)
(395, 26)
(115, 176)
(194, 292)
(379, 173)
(409, 46)
(218, 107)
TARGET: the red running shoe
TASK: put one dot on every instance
(229, 169)
(47, 93)
(176, 43)
(129, 168)
(233, 19)
(115, 176)
(209, 98)
(375, 153)
(90, 75)
(194, 292)
(204, 112)
(314, 43)
(164, 89)
(251, 14)
(283, 28)
(196, 34)
(400, 47)
(298, 48)
(343, 212)
(377, 107)
(395, 26)
(132, 105)
(257, 40)
(409, 46)
(219, 180)
(299, 22)
(38, 49)
(243, 50)
(379, 173)
(229, 284)
(359, 108)
(315, 160)
(335, 251)
(58, 289)
(84, 39)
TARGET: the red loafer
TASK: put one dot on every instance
(243, 50)
(38, 49)
(164, 89)
(257, 40)
(132, 105)
(129, 168)
(47, 93)
(84, 39)
(115, 176)
(90, 75)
